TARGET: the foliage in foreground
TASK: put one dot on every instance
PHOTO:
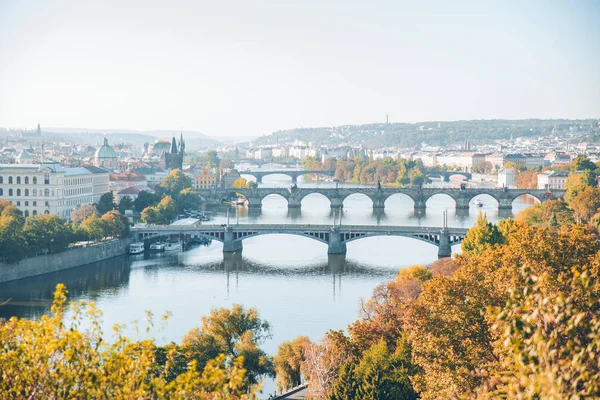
(48, 359)
(516, 316)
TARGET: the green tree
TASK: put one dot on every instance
(83, 211)
(47, 233)
(173, 184)
(167, 208)
(13, 245)
(145, 199)
(125, 203)
(288, 363)
(481, 235)
(152, 215)
(63, 361)
(235, 332)
(188, 199)
(582, 163)
(117, 225)
(211, 159)
(417, 178)
(547, 213)
(586, 203)
(94, 227)
(106, 203)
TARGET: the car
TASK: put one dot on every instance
(223, 224)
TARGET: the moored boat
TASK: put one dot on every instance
(173, 245)
(157, 247)
(478, 203)
(136, 248)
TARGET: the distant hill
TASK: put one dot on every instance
(434, 133)
(193, 139)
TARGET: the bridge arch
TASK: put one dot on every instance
(439, 195)
(322, 237)
(349, 199)
(274, 195)
(403, 199)
(277, 173)
(527, 196)
(315, 196)
(485, 198)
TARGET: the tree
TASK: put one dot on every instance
(417, 178)
(167, 208)
(242, 183)
(94, 227)
(145, 199)
(235, 332)
(576, 182)
(188, 199)
(173, 184)
(527, 179)
(47, 233)
(482, 235)
(548, 213)
(64, 361)
(106, 203)
(444, 266)
(586, 203)
(153, 216)
(582, 163)
(83, 211)
(211, 159)
(13, 245)
(485, 167)
(116, 224)
(288, 363)
(125, 204)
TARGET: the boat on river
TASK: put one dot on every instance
(158, 247)
(136, 248)
(478, 202)
(173, 245)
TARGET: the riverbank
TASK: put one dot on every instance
(70, 258)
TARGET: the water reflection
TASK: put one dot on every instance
(32, 297)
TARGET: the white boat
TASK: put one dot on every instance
(136, 248)
(172, 246)
(478, 203)
(158, 246)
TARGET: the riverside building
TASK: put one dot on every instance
(50, 188)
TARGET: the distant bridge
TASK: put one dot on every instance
(336, 196)
(294, 174)
(336, 237)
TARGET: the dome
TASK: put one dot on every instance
(105, 151)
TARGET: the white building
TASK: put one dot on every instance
(50, 188)
(507, 178)
(263, 153)
(552, 180)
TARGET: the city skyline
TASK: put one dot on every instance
(250, 70)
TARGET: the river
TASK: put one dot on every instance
(290, 279)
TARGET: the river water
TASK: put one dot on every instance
(290, 279)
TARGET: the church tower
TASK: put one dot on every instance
(174, 157)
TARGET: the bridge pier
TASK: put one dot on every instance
(336, 202)
(294, 202)
(462, 202)
(230, 245)
(420, 203)
(445, 178)
(444, 246)
(379, 202)
(259, 178)
(504, 204)
(336, 246)
(294, 179)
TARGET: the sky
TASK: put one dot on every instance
(239, 68)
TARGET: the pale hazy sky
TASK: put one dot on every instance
(250, 68)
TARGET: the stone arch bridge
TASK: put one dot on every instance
(378, 196)
(294, 174)
(336, 237)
